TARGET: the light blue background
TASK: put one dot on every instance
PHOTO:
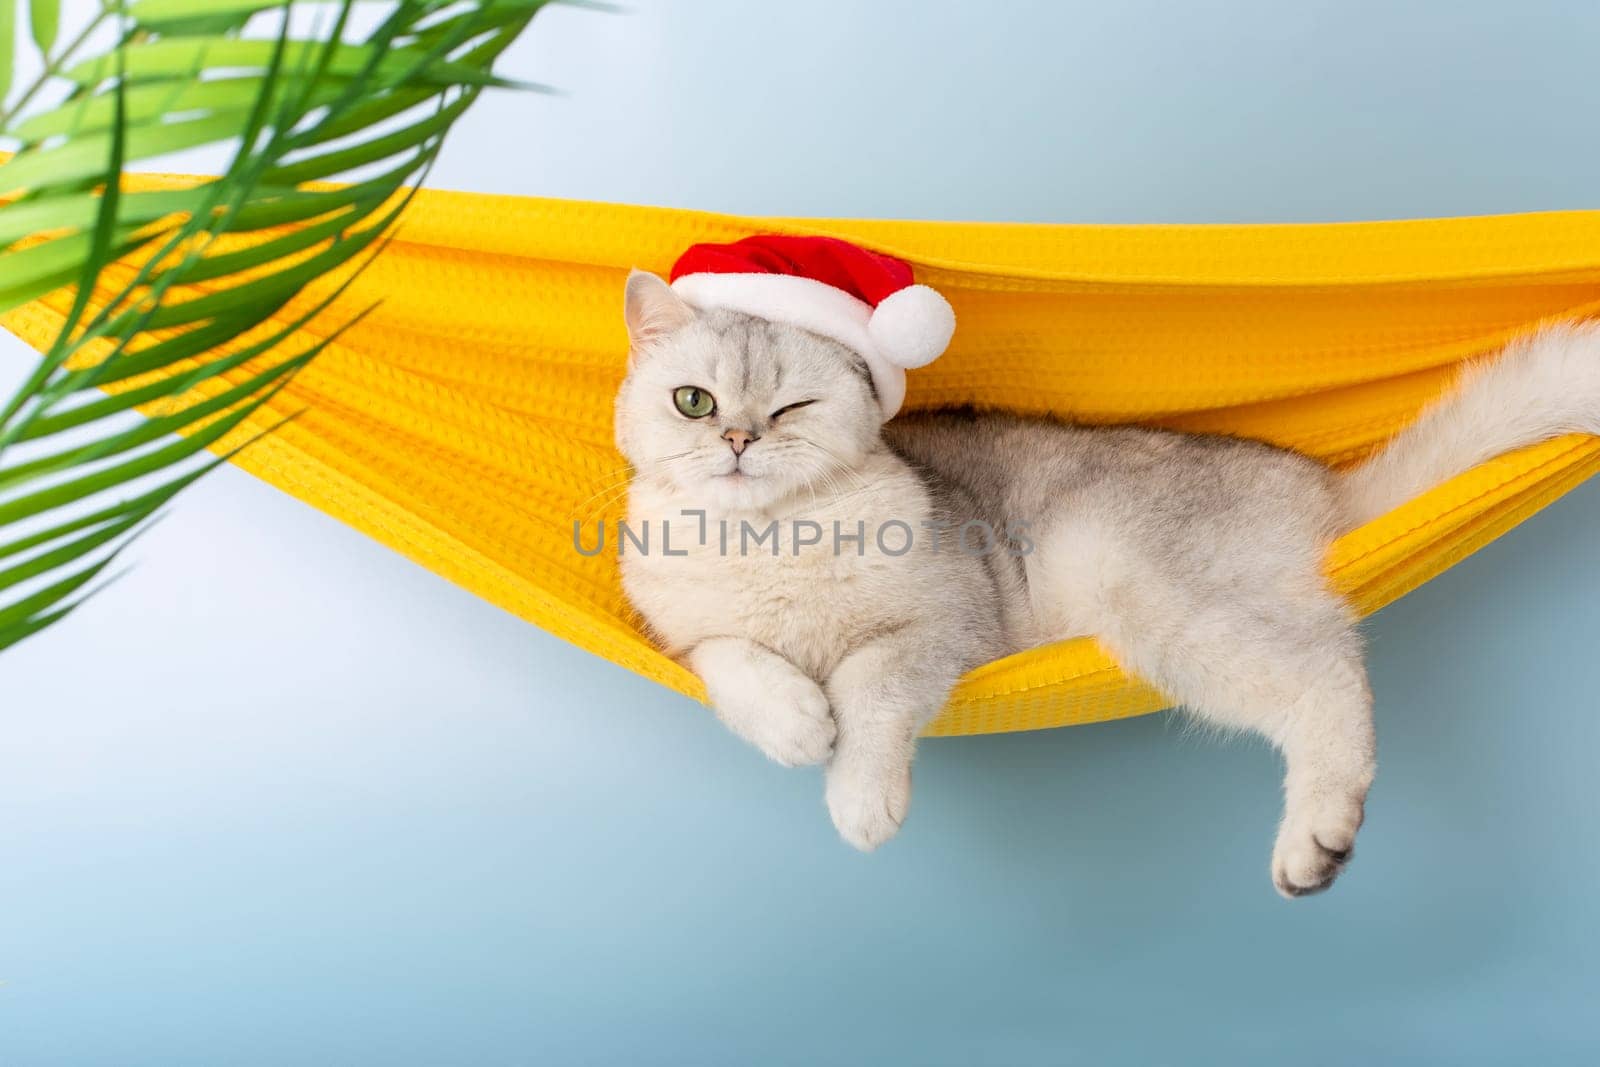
(283, 798)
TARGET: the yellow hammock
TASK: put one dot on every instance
(467, 423)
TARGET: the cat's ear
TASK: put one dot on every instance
(653, 310)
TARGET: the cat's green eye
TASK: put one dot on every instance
(694, 401)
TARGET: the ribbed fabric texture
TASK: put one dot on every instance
(467, 422)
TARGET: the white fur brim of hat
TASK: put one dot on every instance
(910, 328)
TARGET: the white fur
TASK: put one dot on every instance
(765, 699)
(834, 617)
(1197, 562)
(1544, 385)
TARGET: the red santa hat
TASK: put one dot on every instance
(865, 300)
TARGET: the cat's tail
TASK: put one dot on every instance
(1541, 386)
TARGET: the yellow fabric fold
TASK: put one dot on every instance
(466, 422)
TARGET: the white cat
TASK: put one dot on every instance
(781, 572)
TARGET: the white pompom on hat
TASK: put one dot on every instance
(865, 300)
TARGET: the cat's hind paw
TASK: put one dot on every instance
(1314, 847)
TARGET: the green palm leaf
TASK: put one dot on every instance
(44, 21)
(8, 46)
(80, 473)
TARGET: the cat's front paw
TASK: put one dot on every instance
(787, 718)
(1314, 844)
(795, 727)
(868, 804)
(766, 700)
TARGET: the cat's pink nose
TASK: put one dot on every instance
(739, 440)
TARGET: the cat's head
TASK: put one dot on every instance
(735, 411)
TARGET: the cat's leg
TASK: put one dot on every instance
(1330, 749)
(882, 694)
(1292, 672)
(1253, 647)
(765, 699)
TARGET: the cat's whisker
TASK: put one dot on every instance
(628, 473)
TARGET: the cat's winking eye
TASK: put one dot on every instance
(694, 401)
(791, 407)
